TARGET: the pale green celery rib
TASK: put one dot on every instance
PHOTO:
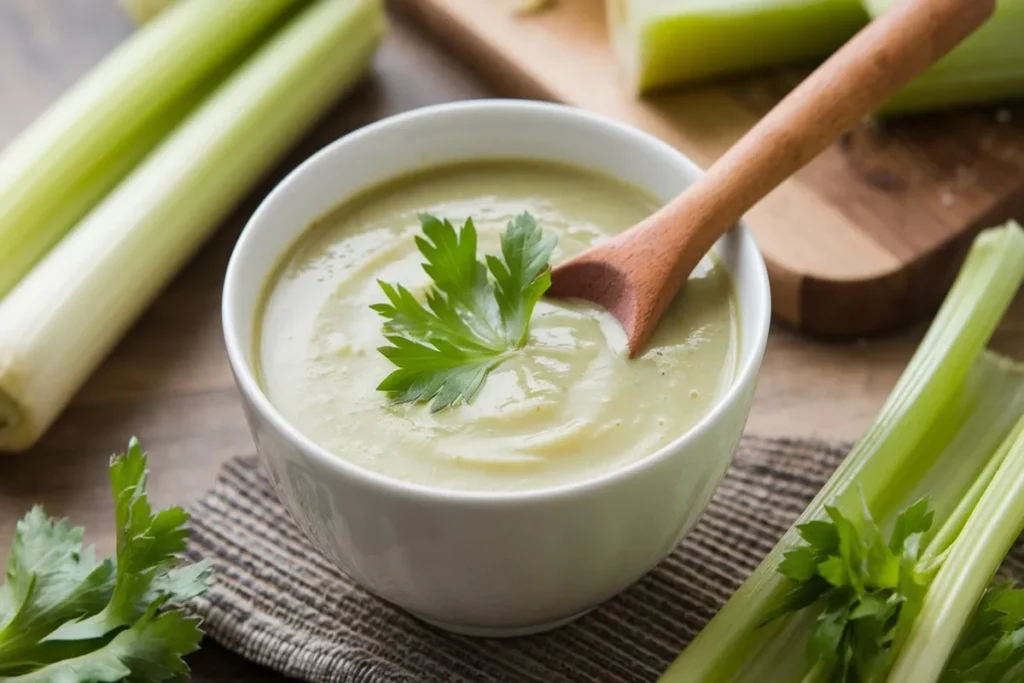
(994, 402)
(661, 43)
(972, 561)
(969, 85)
(987, 67)
(780, 661)
(77, 151)
(988, 280)
(986, 411)
(71, 309)
(969, 430)
(963, 92)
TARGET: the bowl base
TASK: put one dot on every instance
(499, 631)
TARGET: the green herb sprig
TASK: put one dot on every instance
(868, 588)
(991, 649)
(65, 618)
(475, 314)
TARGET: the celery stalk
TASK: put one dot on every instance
(64, 317)
(958, 455)
(889, 453)
(75, 153)
(961, 453)
(972, 561)
(970, 428)
(987, 67)
(666, 42)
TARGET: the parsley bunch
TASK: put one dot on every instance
(868, 587)
(65, 618)
(471, 322)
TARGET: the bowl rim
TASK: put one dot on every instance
(248, 386)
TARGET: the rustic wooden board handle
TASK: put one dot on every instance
(637, 274)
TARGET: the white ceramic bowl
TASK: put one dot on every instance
(485, 563)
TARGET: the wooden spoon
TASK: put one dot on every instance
(637, 274)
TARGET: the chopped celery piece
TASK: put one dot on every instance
(896, 452)
(71, 156)
(665, 42)
(67, 314)
(987, 67)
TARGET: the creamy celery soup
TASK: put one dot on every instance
(568, 407)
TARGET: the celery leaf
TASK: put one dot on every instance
(147, 548)
(150, 651)
(991, 649)
(914, 521)
(861, 583)
(64, 618)
(521, 276)
(445, 350)
(51, 580)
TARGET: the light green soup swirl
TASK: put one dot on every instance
(569, 407)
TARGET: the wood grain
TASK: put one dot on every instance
(168, 382)
(637, 274)
(863, 239)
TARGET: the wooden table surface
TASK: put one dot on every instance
(168, 382)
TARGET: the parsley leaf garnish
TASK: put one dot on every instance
(868, 589)
(64, 618)
(471, 323)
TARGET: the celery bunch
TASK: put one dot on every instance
(666, 42)
(76, 152)
(67, 313)
(884, 568)
(987, 67)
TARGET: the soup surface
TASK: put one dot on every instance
(568, 407)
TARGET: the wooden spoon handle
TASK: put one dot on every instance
(854, 82)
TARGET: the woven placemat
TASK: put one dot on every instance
(278, 602)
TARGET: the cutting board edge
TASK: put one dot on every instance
(883, 300)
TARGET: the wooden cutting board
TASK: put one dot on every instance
(867, 237)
